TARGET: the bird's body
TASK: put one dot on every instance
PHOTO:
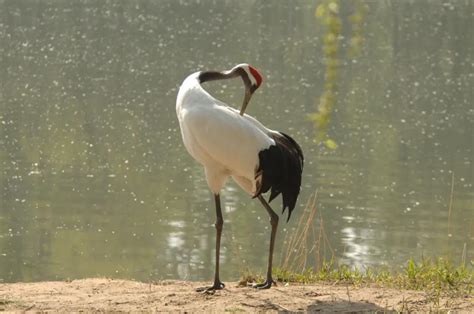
(229, 143)
(224, 142)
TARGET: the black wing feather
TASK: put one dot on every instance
(281, 166)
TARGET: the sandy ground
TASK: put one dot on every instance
(100, 294)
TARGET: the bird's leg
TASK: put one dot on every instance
(274, 222)
(219, 223)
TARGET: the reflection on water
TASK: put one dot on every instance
(94, 178)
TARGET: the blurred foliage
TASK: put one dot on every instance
(328, 14)
(356, 21)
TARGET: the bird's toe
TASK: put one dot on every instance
(211, 289)
(265, 285)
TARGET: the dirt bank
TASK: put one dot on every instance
(123, 295)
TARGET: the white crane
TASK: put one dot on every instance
(229, 143)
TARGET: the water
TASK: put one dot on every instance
(96, 182)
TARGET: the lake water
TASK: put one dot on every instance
(95, 181)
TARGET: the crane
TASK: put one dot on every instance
(231, 143)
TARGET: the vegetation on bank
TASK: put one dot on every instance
(439, 278)
(427, 274)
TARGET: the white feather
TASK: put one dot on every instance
(224, 142)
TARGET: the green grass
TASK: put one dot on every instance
(438, 278)
(430, 275)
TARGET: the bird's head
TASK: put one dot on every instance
(252, 80)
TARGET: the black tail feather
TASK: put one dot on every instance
(281, 166)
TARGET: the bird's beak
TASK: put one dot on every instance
(248, 95)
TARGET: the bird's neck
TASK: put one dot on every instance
(215, 75)
(191, 93)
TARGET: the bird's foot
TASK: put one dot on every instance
(265, 285)
(211, 289)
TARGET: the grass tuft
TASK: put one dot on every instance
(436, 276)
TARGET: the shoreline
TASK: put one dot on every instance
(102, 294)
